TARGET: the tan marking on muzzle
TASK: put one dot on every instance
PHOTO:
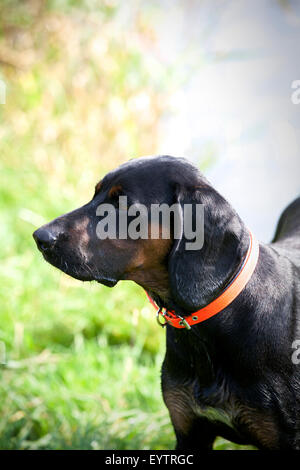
(81, 236)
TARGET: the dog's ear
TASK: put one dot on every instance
(198, 273)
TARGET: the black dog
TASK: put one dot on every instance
(231, 375)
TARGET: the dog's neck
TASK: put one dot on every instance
(186, 281)
(218, 262)
(222, 342)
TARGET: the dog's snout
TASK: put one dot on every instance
(44, 238)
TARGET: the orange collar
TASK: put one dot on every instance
(222, 301)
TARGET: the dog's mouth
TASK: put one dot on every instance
(108, 282)
(78, 269)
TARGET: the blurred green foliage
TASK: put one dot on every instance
(84, 93)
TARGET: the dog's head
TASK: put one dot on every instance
(111, 238)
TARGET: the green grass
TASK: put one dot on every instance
(82, 361)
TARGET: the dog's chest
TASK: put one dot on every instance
(213, 404)
(215, 414)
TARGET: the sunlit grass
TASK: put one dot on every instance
(82, 361)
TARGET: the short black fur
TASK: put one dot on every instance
(233, 374)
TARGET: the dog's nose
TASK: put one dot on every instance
(45, 240)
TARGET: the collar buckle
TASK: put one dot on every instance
(183, 322)
(163, 313)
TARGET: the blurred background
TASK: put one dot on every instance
(88, 85)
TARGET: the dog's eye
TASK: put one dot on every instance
(120, 202)
(116, 195)
(118, 198)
